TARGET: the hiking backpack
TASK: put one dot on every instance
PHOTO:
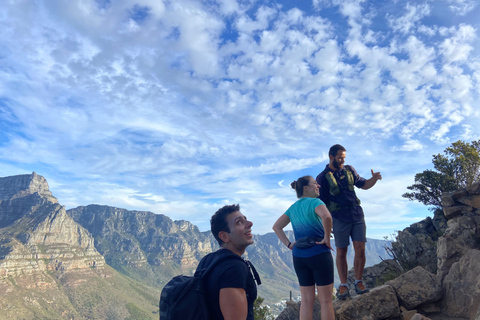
(184, 297)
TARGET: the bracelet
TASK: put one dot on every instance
(288, 245)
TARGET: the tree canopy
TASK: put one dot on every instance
(458, 167)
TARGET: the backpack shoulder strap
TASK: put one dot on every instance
(202, 271)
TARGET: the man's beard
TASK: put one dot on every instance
(336, 165)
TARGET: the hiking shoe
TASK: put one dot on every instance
(343, 292)
(360, 288)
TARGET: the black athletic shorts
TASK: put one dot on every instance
(314, 270)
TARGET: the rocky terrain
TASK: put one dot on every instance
(435, 273)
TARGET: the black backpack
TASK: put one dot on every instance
(184, 297)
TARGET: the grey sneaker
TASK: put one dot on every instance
(343, 293)
(360, 288)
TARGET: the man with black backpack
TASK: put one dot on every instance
(230, 287)
(223, 286)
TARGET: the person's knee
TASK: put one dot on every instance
(325, 294)
(360, 252)
(325, 298)
(359, 247)
(308, 300)
(342, 253)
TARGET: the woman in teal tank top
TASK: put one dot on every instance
(312, 259)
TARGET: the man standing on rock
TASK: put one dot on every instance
(337, 183)
(230, 287)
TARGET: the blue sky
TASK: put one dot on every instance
(180, 107)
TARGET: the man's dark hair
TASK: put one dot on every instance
(334, 150)
(299, 184)
(218, 222)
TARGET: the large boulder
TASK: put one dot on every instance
(462, 287)
(461, 235)
(416, 287)
(379, 303)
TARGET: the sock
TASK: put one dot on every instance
(344, 285)
(357, 281)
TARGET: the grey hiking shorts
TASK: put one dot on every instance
(343, 231)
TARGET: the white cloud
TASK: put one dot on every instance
(462, 7)
(410, 145)
(411, 16)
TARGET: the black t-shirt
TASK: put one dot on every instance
(229, 273)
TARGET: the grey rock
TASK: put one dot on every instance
(416, 287)
(474, 189)
(461, 235)
(462, 287)
(439, 222)
(455, 211)
(417, 245)
(379, 303)
(461, 193)
(472, 201)
(447, 200)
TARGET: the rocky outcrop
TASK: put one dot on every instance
(449, 290)
(463, 231)
(462, 286)
(416, 287)
(417, 244)
(36, 234)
